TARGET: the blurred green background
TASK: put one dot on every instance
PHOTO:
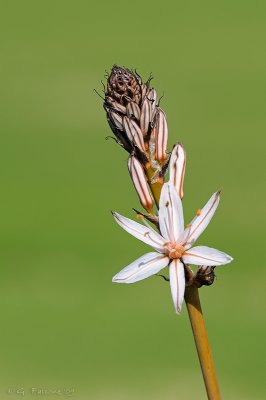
(63, 323)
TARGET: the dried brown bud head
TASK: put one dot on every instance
(140, 126)
(124, 86)
(205, 276)
(132, 109)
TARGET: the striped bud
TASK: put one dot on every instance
(140, 183)
(116, 119)
(145, 117)
(161, 137)
(177, 168)
(134, 133)
(114, 105)
(153, 101)
(133, 110)
(135, 118)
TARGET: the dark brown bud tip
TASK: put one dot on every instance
(205, 276)
(124, 86)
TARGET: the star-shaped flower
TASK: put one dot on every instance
(173, 244)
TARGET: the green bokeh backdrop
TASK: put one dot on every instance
(63, 323)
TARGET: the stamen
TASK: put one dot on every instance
(152, 239)
(198, 212)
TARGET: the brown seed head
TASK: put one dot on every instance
(124, 86)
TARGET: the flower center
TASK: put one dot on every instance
(172, 250)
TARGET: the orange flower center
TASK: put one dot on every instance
(174, 251)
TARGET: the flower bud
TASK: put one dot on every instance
(145, 117)
(177, 168)
(116, 119)
(153, 101)
(134, 133)
(135, 118)
(161, 137)
(133, 110)
(205, 276)
(140, 182)
(115, 105)
(124, 86)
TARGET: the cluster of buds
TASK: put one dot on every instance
(140, 127)
(135, 117)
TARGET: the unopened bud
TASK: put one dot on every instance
(205, 276)
(135, 118)
(177, 168)
(145, 117)
(161, 137)
(134, 133)
(115, 105)
(140, 183)
(152, 96)
(133, 110)
(116, 119)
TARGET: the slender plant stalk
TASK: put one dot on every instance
(198, 326)
(202, 343)
(155, 187)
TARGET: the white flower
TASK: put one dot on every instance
(173, 244)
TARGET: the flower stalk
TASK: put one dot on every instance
(199, 330)
(140, 126)
(202, 343)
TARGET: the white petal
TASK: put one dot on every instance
(200, 222)
(177, 283)
(171, 219)
(145, 234)
(177, 168)
(203, 255)
(142, 268)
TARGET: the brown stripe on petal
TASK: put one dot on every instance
(140, 183)
(177, 286)
(143, 266)
(144, 90)
(152, 96)
(145, 117)
(177, 168)
(203, 258)
(161, 136)
(204, 218)
(134, 133)
(116, 119)
(133, 110)
(115, 105)
(127, 128)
